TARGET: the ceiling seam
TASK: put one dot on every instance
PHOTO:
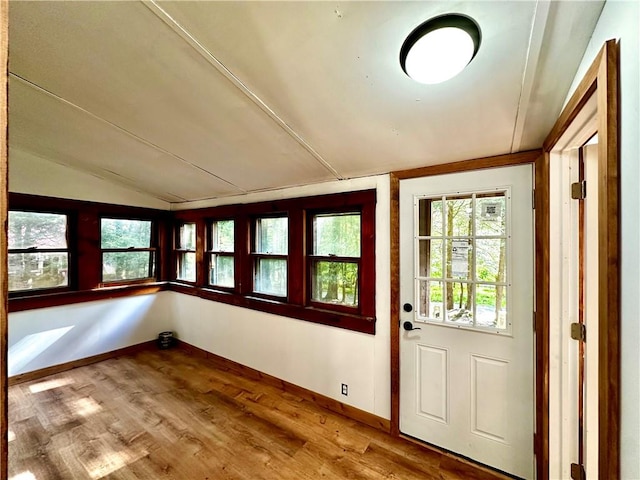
(120, 129)
(538, 27)
(126, 183)
(182, 32)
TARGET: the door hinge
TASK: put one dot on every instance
(577, 472)
(533, 199)
(579, 332)
(579, 190)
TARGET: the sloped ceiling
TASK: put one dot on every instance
(194, 100)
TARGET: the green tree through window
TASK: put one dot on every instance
(127, 250)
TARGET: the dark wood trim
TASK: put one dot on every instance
(70, 297)
(4, 188)
(322, 400)
(395, 302)
(528, 157)
(609, 263)
(296, 304)
(602, 78)
(542, 265)
(506, 160)
(84, 237)
(64, 367)
(347, 321)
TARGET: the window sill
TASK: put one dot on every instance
(347, 321)
(32, 302)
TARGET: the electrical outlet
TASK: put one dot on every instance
(345, 389)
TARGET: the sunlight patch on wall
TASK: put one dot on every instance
(11, 436)
(31, 346)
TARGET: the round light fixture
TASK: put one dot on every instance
(440, 48)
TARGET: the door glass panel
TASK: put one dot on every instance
(459, 298)
(459, 217)
(462, 260)
(430, 258)
(430, 217)
(490, 259)
(490, 219)
(459, 259)
(488, 297)
(430, 300)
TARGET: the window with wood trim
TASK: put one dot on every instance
(334, 259)
(310, 258)
(185, 252)
(38, 251)
(270, 240)
(221, 253)
(128, 250)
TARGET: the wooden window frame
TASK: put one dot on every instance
(256, 256)
(178, 252)
(153, 247)
(211, 251)
(312, 259)
(296, 304)
(83, 226)
(71, 258)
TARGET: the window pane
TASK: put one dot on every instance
(430, 217)
(271, 276)
(187, 236)
(459, 216)
(430, 258)
(488, 298)
(35, 229)
(186, 266)
(335, 283)
(337, 234)
(272, 235)
(37, 270)
(120, 233)
(430, 300)
(222, 236)
(222, 271)
(459, 298)
(490, 215)
(118, 266)
(490, 261)
(459, 259)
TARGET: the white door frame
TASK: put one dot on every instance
(597, 92)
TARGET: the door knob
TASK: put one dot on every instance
(407, 307)
(408, 326)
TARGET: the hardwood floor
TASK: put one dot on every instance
(170, 415)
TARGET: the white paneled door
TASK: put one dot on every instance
(466, 287)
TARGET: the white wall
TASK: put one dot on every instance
(316, 357)
(621, 20)
(51, 336)
(31, 174)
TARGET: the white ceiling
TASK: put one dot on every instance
(195, 100)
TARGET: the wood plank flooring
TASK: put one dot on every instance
(170, 415)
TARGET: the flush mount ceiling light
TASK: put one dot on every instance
(440, 48)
